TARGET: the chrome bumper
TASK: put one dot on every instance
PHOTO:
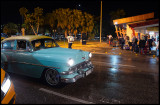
(74, 79)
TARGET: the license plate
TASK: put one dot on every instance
(88, 72)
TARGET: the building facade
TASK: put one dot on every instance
(137, 26)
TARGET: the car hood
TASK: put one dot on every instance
(58, 50)
(62, 55)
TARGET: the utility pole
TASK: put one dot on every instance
(101, 22)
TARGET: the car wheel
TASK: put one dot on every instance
(52, 77)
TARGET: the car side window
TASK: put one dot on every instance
(8, 45)
(49, 43)
(21, 45)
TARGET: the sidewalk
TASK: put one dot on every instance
(102, 48)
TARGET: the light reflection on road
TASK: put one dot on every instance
(114, 59)
(114, 70)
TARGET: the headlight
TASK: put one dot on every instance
(6, 83)
(90, 55)
(70, 62)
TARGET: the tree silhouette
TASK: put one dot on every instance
(34, 20)
(10, 29)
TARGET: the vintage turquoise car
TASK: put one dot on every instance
(41, 57)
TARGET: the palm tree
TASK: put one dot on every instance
(38, 17)
(23, 12)
(33, 19)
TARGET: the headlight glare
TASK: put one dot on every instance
(6, 84)
(90, 55)
(70, 62)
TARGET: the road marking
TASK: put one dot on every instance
(113, 64)
(65, 96)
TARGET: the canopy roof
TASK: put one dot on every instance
(134, 18)
(149, 23)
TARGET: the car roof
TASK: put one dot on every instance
(26, 37)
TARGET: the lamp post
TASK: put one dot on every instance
(101, 23)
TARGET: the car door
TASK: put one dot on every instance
(7, 48)
(24, 62)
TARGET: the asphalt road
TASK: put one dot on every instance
(116, 79)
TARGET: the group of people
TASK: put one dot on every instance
(145, 44)
(142, 46)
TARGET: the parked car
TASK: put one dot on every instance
(8, 94)
(3, 36)
(41, 57)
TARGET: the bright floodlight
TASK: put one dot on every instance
(115, 23)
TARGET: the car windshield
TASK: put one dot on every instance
(43, 44)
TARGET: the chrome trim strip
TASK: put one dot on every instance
(35, 64)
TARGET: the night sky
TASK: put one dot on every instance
(10, 8)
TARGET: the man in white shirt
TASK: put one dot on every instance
(110, 39)
(70, 40)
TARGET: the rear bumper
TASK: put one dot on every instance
(78, 76)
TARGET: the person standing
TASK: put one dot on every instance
(136, 49)
(119, 41)
(157, 49)
(127, 43)
(133, 42)
(145, 38)
(70, 40)
(122, 42)
(150, 44)
(110, 39)
(142, 43)
(107, 39)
